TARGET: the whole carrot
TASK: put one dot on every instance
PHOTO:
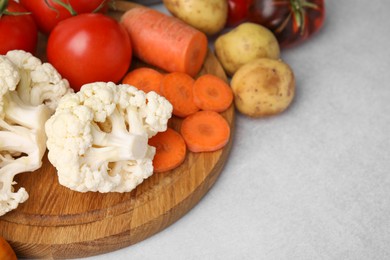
(165, 41)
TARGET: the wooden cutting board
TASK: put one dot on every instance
(56, 222)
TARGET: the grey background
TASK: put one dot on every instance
(313, 182)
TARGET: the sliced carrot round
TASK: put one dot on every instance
(145, 79)
(205, 131)
(177, 87)
(170, 150)
(212, 93)
(6, 251)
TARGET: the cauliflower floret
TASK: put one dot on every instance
(41, 83)
(98, 137)
(26, 102)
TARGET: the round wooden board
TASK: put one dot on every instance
(56, 222)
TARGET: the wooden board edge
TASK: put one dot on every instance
(127, 237)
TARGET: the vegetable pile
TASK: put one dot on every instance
(101, 136)
(291, 21)
(198, 102)
(105, 124)
(255, 32)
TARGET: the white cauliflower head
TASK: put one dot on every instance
(98, 137)
(27, 100)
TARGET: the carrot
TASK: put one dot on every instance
(165, 41)
(145, 79)
(212, 93)
(170, 150)
(177, 88)
(205, 131)
(6, 251)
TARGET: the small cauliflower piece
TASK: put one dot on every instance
(40, 82)
(98, 137)
(29, 93)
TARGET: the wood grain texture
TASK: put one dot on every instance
(56, 222)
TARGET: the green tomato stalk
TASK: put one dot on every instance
(3, 7)
(69, 7)
(4, 11)
(298, 11)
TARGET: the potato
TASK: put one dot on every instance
(208, 16)
(263, 87)
(245, 43)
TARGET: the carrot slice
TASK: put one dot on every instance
(170, 150)
(177, 88)
(205, 131)
(145, 79)
(212, 93)
(6, 251)
(165, 41)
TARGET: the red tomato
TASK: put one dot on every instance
(292, 21)
(237, 11)
(17, 31)
(48, 16)
(88, 48)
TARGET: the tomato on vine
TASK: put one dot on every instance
(17, 28)
(48, 13)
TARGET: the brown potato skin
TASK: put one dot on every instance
(263, 87)
(208, 16)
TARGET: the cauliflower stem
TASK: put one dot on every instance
(117, 145)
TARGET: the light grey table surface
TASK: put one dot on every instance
(313, 182)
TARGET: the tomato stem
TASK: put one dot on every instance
(283, 25)
(97, 9)
(310, 5)
(299, 12)
(298, 9)
(3, 6)
(67, 6)
(4, 11)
